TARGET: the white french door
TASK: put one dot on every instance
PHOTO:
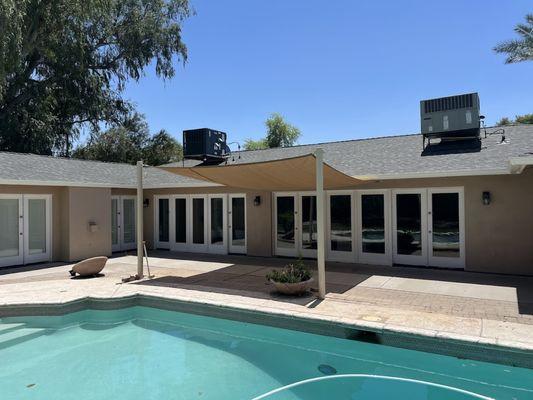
(123, 223)
(217, 223)
(286, 235)
(409, 226)
(428, 227)
(25, 229)
(237, 223)
(340, 226)
(373, 227)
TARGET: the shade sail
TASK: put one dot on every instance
(298, 173)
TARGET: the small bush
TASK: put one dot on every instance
(293, 272)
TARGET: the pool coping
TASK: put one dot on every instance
(451, 344)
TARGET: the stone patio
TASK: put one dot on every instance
(472, 307)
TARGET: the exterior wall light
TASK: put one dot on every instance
(257, 201)
(486, 198)
(146, 203)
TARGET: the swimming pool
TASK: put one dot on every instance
(146, 353)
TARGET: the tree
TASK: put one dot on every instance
(64, 64)
(162, 148)
(129, 143)
(519, 49)
(519, 119)
(279, 134)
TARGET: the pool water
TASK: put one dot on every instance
(145, 353)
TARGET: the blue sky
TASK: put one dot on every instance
(340, 69)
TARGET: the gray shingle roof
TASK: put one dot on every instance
(384, 157)
(402, 155)
(19, 167)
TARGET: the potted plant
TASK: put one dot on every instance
(294, 279)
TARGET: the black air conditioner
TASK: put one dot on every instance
(205, 144)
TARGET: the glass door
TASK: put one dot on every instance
(237, 223)
(11, 243)
(115, 223)
(446, 228)
(307, 225)
(218, 230)
(128, 238)
(373, 231)
(285, 224)
(340, 227)
(180, 223)
(36, 228)
(409, 226)
(162, 222)
(198, 225)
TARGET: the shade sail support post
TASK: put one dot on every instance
(320, 222)
(140, 244)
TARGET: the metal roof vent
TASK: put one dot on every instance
(450, 118)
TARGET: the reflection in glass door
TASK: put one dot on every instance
(217, 224)
(340, 233)
(446, 229)
(308, 227)
(162, 222)
(237, 223)
(373, 232)
(198, 223)
(11, 243)
(409, 226)
(285, 233)
(181, 224)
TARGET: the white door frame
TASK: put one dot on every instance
(309, 253)
(198, 247)
(18, 259)
(221, 248)
(448, 262)
(374, 258)
(121, 245)
(421, 259)
(159, 244)
(341, 256)
(231, 247)
(283, 251)
(46, 255)
(174, 246)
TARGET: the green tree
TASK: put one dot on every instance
(519, 49)
(129, 143)
(519, 119)
(162, 148)
(279, 134)
(64, 64)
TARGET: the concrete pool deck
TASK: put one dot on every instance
(484, 309)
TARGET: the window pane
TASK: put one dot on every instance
(446, 237)
(408, 224)
(198, 232)
(238, 228)
(217, 221)
(114, 224)
(36, 226)
(373, 223)
(285, 222)
(341, 222)
(9, 223)
(181, 221)
(309, 222)
(163, 220)
(129, 220)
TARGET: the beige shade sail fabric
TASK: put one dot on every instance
(298, 173)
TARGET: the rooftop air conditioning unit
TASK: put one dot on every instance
(450, 118)
(207, 145)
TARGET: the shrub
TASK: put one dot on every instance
(293, 272)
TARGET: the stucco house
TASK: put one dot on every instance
(468, 207)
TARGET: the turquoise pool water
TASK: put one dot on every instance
(144, 353)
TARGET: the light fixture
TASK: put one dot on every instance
(146, 203)
(486, 198)
(257, 200)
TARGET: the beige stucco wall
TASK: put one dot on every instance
(89, 205)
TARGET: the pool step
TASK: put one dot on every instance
(19, 335)
(9, 327)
